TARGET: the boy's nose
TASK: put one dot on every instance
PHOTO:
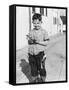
(35, 24)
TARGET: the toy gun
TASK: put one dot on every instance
(43, 62)
(30, 40)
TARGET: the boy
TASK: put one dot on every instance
(37, 43)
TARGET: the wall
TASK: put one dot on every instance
(22, 26)
(48, 21)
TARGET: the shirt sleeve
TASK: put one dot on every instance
(45, 35)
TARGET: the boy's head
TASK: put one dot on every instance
(37, 20)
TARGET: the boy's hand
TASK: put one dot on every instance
(28, 37)
(30, 41)
(34, 41)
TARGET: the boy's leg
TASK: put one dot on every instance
(33, 66)
(43, 74)
(42, 70)
(39, 61)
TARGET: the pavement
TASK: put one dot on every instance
(55, 63)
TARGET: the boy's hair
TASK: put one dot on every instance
(37, 16)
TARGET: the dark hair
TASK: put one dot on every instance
(37, 16)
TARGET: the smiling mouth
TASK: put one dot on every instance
(37, 28)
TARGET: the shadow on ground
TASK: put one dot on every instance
(25, 68)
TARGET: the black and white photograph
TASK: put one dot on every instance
(41, 44)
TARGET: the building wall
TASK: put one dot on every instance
(52, 22)
(22, 26)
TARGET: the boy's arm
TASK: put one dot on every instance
(30, 40)
(44, 43)
(45, 39)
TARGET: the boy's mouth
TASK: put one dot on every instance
(37, 28)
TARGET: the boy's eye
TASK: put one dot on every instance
(35, 23)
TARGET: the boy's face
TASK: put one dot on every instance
(37, 24)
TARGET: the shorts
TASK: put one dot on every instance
(35, 64)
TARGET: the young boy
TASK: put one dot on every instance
(37, 43)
